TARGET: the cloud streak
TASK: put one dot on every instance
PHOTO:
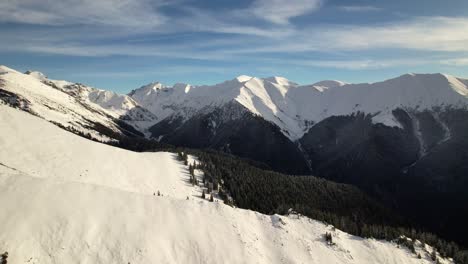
(118, 13)
(262, 31)
(280, 12)
(424, 34)
(366, 8)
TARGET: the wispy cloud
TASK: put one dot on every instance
(456, 62)
(423, 34)
(365, 64)
(280, 12)
(170, 70)
(365, 8)
(121, 13)
(262, 31)
(238, 22)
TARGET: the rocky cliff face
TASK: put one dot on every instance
(233, 129)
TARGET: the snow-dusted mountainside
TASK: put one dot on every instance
(389, 138)
(117, 105)
(69, 105)
(294, 108)
(66, 199)
(291, 107)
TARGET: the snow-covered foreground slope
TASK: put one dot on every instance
(294, 108)
(42, 150)
(69, 200)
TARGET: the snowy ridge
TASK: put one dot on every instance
(72, 105)
(54, 105)
(294, 107)
(66, 199)
(117, 105)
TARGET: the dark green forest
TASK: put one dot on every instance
(341, 205)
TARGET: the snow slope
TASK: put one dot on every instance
(294, 108)
(53, 104)
(69, 200)
(117, 105)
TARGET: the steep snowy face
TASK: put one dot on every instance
(328, 84)
(66, 199)
(183, 99)
(412, 92)
(110, 100)
(38, 75)
(264, 97)
(33, 93)
(295, 108)
(280, 81)
(116, 104)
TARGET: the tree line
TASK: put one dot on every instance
(341, 205)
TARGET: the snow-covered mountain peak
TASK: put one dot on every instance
(430, 84)
(280, 81)
(73, 104)
(36, 74)
(243, 78)
(182, 86)
(147, 89)
(329, 84)
(458, 85)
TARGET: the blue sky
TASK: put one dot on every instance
(122, 44)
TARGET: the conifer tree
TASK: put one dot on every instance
(3, 258)
(328, 238)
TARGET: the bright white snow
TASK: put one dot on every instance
(55, 105)
(69, 200)
(294, 107)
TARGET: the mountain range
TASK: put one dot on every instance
(403, 140)
(66, 199)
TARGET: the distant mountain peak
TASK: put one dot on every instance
(147, 89)
(153, 86)
(280, 81)
(36, 74)
(243, 78)
(329, 83)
